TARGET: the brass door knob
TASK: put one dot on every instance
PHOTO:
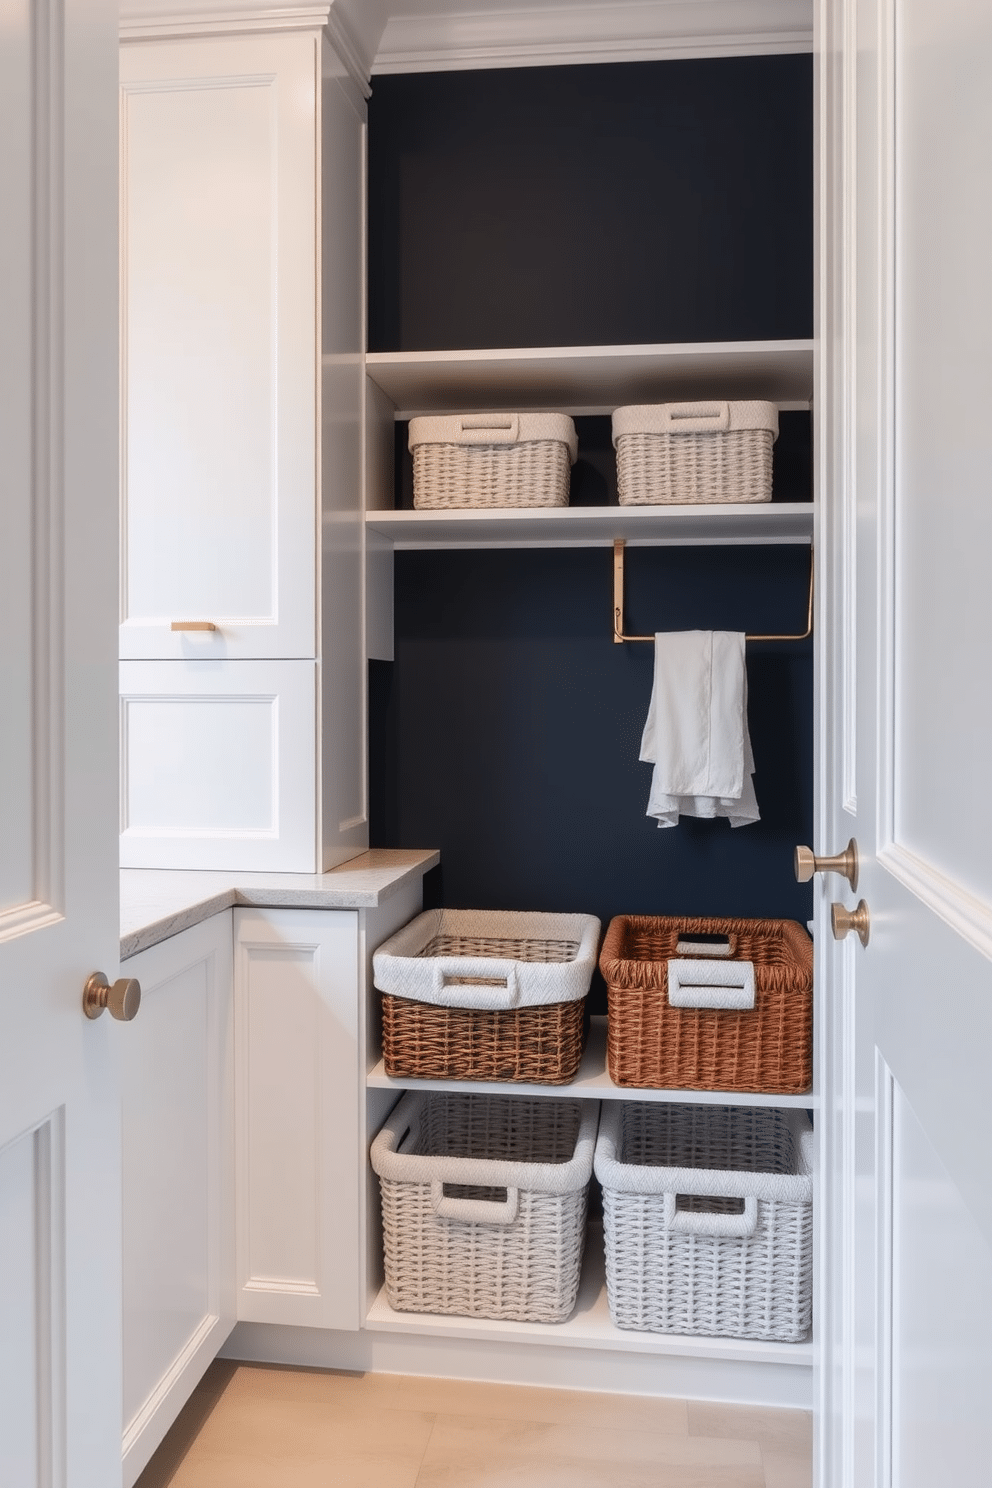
(845, 863)
(844, 920)
(122, 999)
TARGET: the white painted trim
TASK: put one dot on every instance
(348, 52)
(188, 1358)
(966, 914)
(190, 20)
(885, 1168)
(48, 397)
(622, 31)
(525, 1363)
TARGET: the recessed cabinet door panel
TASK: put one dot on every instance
(219, 339)
(218, 765)
(297, 1128)
(178, 1125)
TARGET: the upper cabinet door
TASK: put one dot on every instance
(220, 347)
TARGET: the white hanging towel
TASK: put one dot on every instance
(696, 733)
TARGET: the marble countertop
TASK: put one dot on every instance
(157, 903)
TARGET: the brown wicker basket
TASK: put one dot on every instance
(652, 1045)
(542, 1044)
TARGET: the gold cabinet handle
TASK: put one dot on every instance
(122, 999)
(845, 863)
(193, 625)
(844, 920)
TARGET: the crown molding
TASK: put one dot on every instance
(150, 20)
(142, 21)
(611, 30)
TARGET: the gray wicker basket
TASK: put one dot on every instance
(492, 460)
(708, 1216)
(484, 1203)
(704, 452)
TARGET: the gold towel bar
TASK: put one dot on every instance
(619, 637)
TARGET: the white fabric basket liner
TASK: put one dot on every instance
(704, 416)
(394, 1156)
(494, 428)
(714, 1182)
(404, 967)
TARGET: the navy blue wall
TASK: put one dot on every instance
(570, 206)
(507, 730)
(504, 211)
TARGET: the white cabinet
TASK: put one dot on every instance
(217, 758)
(242, 403)
(218, 329)
(296, 1021)
(176, 1062)
(300, 1054)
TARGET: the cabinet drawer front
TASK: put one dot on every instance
(218, 765)
(218, 329)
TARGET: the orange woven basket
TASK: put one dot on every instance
(542, 1044)
(652, 1045)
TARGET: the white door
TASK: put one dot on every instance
(60, 1292)
(908, 300)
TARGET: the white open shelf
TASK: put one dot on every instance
(598, 526)
(590, 1326)
(592, 379)
(593, 1082)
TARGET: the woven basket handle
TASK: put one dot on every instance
(692, 1222)
(475, 1211)
(497, 986)
(696, 418)
(491, 428)
(698, 983)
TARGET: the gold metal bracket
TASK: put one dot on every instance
(620, 638)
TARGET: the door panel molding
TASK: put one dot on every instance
(967, 914)
(32, 822)
(32, 1299)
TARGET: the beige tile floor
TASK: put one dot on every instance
(258, 1426)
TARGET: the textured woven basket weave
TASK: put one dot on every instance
(492, 460)
(651, 1044)
(484, 1203)
(708, 1219)
(671, 453)
(486, 995)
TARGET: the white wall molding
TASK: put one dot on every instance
(151, 20)
(616, 31)
(157, 20)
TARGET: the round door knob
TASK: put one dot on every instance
(122, 999)
(844, 920)
(845, 863)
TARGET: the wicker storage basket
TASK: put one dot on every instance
(708, 1219)
(484, 1203)
(492, 460)
(486, 995)
(694, 452)
(719, 1043)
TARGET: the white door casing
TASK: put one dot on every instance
(907, 305)
(60, 1266)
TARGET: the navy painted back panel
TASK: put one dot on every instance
(507, 730)
(611, 204)
(570, 206)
